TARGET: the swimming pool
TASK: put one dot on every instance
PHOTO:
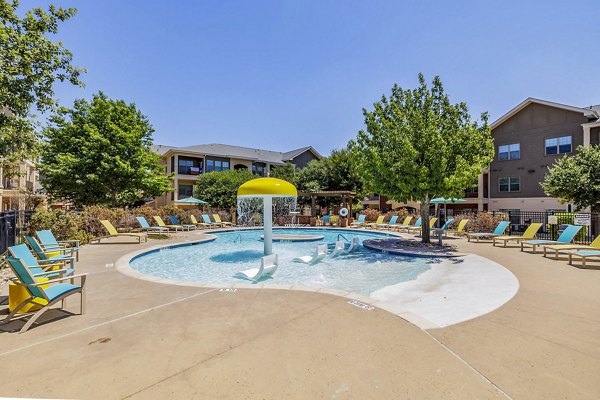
(216, 262)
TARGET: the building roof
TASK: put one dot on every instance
(230, 151)
(592, 112)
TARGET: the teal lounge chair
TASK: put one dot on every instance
(176, 221)
(408, 227)
(42, 254)
(49, 243)
(208, 222)
(147, 227)
(391, 222)
(444, 227)
(47, 269)
(566, 237)
(359, 222)
(497, 232)
(584, 255)
(56, 291)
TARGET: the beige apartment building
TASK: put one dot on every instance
(16, 189)
(188, 162)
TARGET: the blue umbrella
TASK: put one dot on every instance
(191, 200)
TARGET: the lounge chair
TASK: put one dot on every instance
(148, 228)
(339, 248)
(39, 268)
(112, 232)
(500, 228)
(217, 219)
(359, 222)
(372, 225)
(46, 256)
(529, 234)
(162, 224)
(566, 237)
(460, 229)
(176, 221)
(594, 246)
(444, 227)
(48, 242)
(45, 293)
(354, 244)
(201, 224)
(392, 221)
(397, 226)
(268, 265)
(210, 223)
(407, 225)
(416, 228)
(584, 255)
(320, 253)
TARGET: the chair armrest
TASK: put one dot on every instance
(70, 241)
(64, 278)
(49, 272)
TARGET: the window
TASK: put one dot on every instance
(185, 191)
(259, 169)
(214, 164)
(509, 184)
(559, 145)
(509, 152)
(189, 166)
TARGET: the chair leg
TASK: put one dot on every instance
(15, 311)
(34, 318)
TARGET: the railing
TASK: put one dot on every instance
(239, 236)
(12, 225)
(342, 236)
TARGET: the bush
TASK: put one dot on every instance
(479, 222)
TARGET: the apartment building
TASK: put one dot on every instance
(18, 185)
(189, 162)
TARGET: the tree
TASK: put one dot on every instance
(576, 179)
(286, 172)
(98, 153)
(219, 188)
(30, 64)
(417, 146)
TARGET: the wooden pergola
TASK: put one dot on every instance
(346, 195)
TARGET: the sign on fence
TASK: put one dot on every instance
(583, 219)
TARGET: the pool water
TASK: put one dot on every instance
(362, 271)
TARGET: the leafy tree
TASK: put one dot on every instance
(219, 188)
(286, 172)
(418, 146)
(30, 64)
(576, 179)
(98, 153)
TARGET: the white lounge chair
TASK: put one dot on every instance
(339, 248)
(320, 253)
(268, 265)
(354, 244)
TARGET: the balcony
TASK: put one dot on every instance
(186, 170)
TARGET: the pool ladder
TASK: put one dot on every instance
(342, 236)
(239, 236)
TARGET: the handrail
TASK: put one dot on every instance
(341, 235)
(239, 236)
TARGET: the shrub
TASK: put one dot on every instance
(479, 222)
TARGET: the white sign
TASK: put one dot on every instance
(552, 219)
(583, 219)
(358, 304)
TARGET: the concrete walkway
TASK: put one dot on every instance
(148, 340)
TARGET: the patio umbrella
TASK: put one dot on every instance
(441, 200)
(191, 200)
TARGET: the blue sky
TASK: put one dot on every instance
(286, 74)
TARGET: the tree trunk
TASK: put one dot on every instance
(425, 220)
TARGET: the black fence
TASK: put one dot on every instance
(12, 225)
(553, 223)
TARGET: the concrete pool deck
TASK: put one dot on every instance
(144, 339)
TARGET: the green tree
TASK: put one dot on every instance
(30, 64)
(286, 172)
(98, 153)
(576, 179)
(417, 146)
(219, 188)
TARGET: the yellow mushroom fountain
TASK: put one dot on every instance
(266, 191)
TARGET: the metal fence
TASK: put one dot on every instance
(12, 225)
(553, 223)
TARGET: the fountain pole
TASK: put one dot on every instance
(268, 224)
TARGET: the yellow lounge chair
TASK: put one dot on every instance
(404, 224)
(374, 224)
(529, 234)
(217, 218)
(595, 245)
(202, 224)
(432, 222)
(113, 232)
(460, 229)
(161, 223)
